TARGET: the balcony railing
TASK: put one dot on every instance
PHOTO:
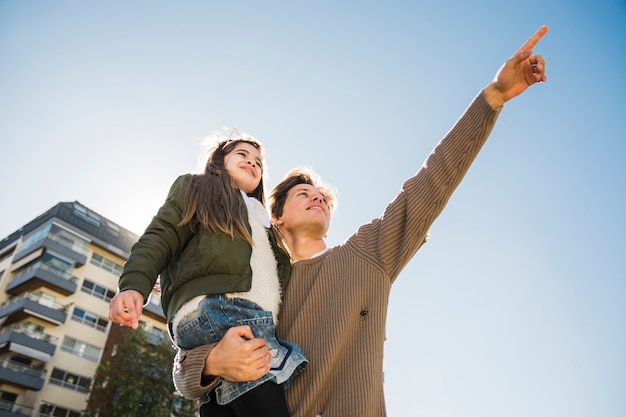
(29, 304)
(22, 368)
(37, 345)
(38, 298)
(27, 330)
(80, 246)
(69, 385)
(46, 267)
(21, 375)
(42, 273)
(10, 409)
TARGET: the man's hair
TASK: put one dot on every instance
(278, 196)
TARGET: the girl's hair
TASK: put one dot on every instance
(213, 199)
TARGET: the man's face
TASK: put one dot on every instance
(305, 211)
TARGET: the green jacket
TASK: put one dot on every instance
(190, 264)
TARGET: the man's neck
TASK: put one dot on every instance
(303, 248)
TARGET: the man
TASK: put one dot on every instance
(335, 305)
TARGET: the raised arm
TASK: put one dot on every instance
(393, 238)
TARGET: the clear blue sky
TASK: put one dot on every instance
(516, 306)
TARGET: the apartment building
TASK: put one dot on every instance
(57, 276)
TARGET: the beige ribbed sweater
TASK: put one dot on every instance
(335, 306)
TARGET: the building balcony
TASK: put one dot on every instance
(24, 339)
(20, 375)
(72, 248)
(9, 409)
(42, 274)
(32, 305)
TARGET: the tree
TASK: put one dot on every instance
(135, 380)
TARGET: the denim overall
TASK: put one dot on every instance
(217, 314)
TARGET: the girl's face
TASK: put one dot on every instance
(245, 167)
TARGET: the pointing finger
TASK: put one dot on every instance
(532, 41)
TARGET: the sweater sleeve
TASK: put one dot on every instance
(187, 372)
(391, 240)
(161, 241)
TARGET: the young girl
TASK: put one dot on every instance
(220, 266)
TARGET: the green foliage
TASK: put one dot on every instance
(136, 381)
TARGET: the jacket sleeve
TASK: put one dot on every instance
(391, 240)
(161, 241)
(187, 372)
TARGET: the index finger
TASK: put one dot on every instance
(532, 41)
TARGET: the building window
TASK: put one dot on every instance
(83, 213)
(107, 264)
(51, 410)
(57, 264)
(113, 228)
(97, 291)
(89, 319)
(70, 381)
(37, 236)
(81, 349)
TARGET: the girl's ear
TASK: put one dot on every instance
(276, 221)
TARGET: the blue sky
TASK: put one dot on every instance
(516, 306)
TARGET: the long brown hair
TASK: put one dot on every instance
(214, 200)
